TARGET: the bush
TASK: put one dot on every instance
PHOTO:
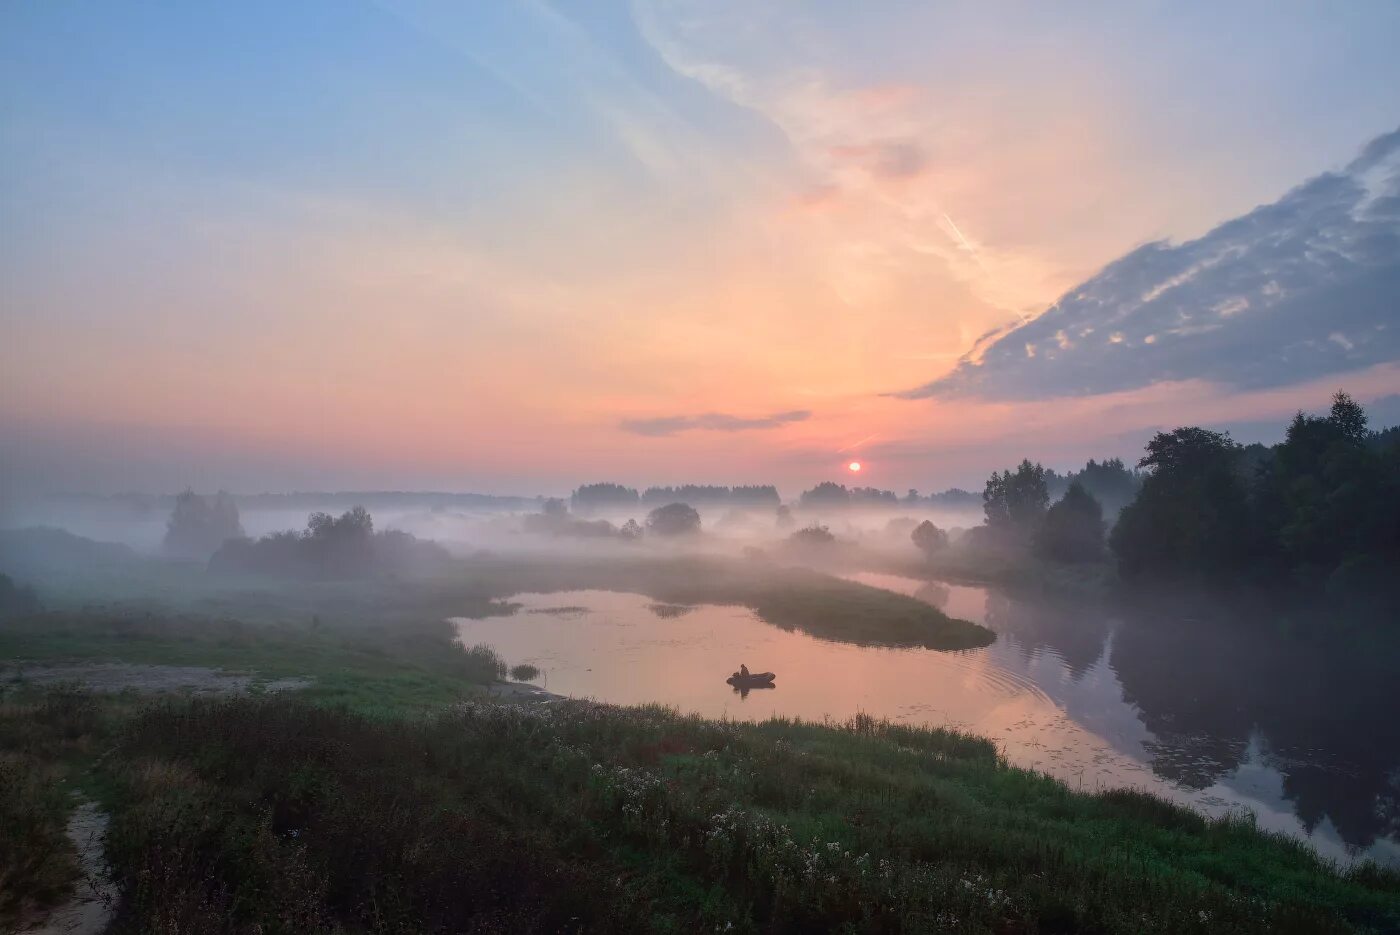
(814, 535)
(675, 519)
(928, 538)
(333, 547)
(484, 664)
(524, 672)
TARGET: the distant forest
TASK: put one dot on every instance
(602, 497)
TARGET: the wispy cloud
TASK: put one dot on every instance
(1293, 290)
(711, 422)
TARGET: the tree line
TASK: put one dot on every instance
(1317, 512)
(611, 497)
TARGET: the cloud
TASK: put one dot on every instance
(1298, 289)
(711, 422)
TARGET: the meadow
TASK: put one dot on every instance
(277, 814)
(393, 796)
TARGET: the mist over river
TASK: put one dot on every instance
(1073, 690)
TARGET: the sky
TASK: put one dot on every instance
(514, 247)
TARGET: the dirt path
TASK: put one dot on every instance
(119, 676)
(94, 899)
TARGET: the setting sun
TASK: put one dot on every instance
(854, 467)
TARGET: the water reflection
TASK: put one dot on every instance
(1189, 708)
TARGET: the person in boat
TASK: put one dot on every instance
(743, 671)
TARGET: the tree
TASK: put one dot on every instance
(631, 530)
(333, 547)
(783, 516)
(341, 545)
(1349, 418)
(929, 538)
(199, 525)
(591, 498)
(17, 600)
(1191, 517)
(1110, 482)
(812, 535)
(1015, 502)
(674, 519)
(825, 494)
(1324, 494)
(873, 496)
(1073, 528)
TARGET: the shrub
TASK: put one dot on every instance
(815, 534)
(333, 547)
(674, 519)
(928, 538)
(524, 672)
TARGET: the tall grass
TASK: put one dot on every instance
(42, 735)
(274, 815)
(385, 667)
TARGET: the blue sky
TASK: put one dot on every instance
(434, 244)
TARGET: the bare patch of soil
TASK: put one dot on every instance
(520, 691)
(120, 676)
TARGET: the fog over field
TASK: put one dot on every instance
(682, 466)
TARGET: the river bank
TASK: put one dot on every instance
(275, 814)
(393, 791)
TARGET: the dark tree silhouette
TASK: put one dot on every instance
(1073, 528)
(707, 495)
(1190, 518)
(928, 538)
(332, 547)
(674, 519)
(825, 494)
(17, 600)
(813, 535)
(199, 525)
(1015, 502)
(593, 498)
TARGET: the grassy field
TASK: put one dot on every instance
(273, 814)
(391, 668)
(391, 796)
(793, 598)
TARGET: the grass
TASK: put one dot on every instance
(524, 672)
(789, 597)
(389, 798)
(370, 668)
(275, 815)
(47, 741)
(792, 598)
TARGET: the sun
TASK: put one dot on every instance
(854, 467)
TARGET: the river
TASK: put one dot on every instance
(1096, 701)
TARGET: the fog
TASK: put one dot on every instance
(503, 524)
